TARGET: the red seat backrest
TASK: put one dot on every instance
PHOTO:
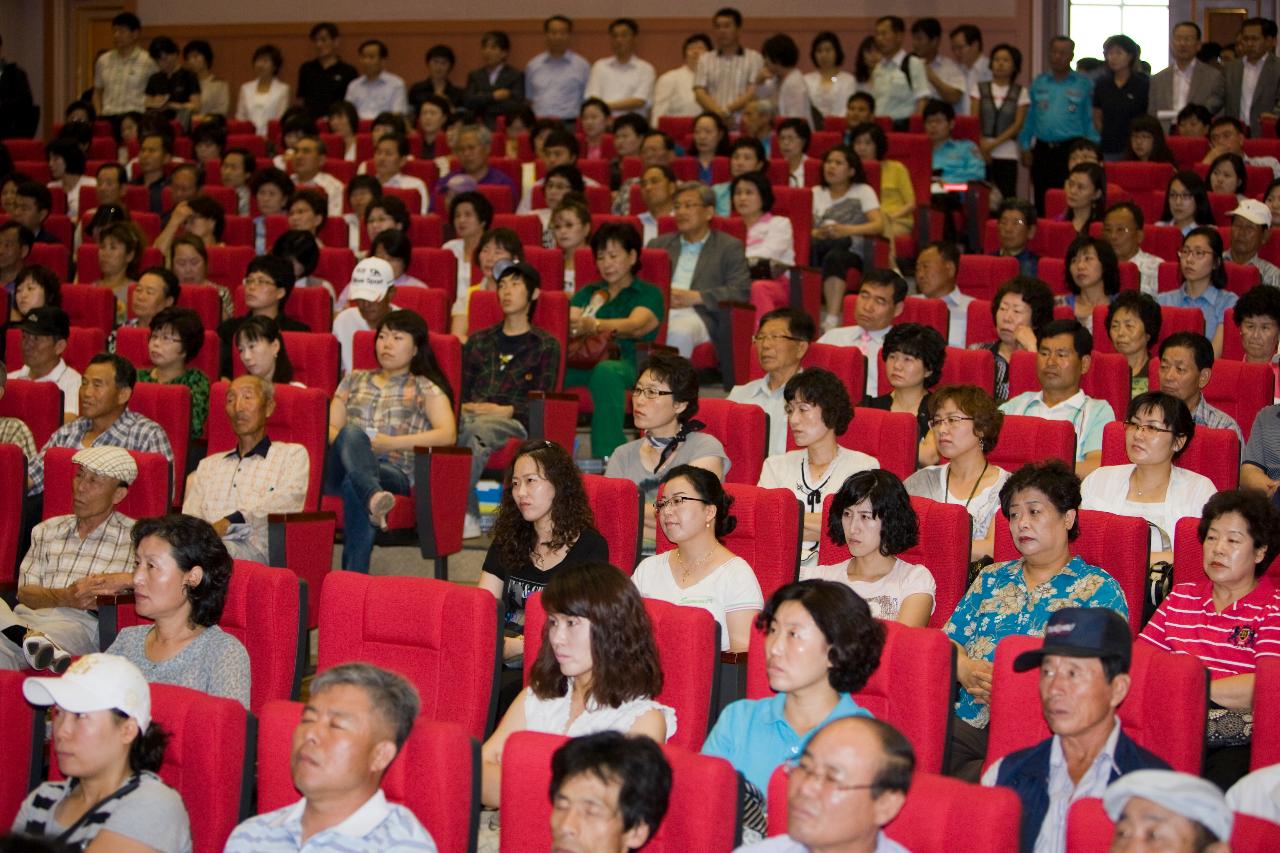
(1089, 830)
(528, 226)
(203, 299)
(17, 728)
(1187, 150)
(55, 256)
(499, 195)
(89, 306)
(38, 404)
(980, 327)
(435, 267)
(848, 363)
(703, 814)
(133, 343)
(688, 642)
(1117, 544)
(767, 536)
(909, 689)
(1136, 176)
(742, 429)
(918, 309)
(13, 486)
(314, 356)
(549, 263)
(938, 811)
(1266, 715)
(980, 276)
(891, 437)
(1215, 453)
(429, 303)
(796, 203)
(1164, 711)
(1172, 320)
(443, 637)
(310, 305)
(84, 344)
(227, 264)
(147, 497)
(433, 774)
(619, 517)
(1026, 438)
(730, 225)
(169, 406)
(1241, 278)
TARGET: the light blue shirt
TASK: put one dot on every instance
(1212, 303)
(377, 825)
(1089, 416)
(384, 94)
(895, 92)
(755, 737)
(555, 85)
(682, 275)
(958, 323)
(1060, 110)
(958, 159)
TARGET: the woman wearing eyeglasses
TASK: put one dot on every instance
(1157, 429)
(1204, 281)
(700, 571)
(177, 335)
(966, 425)
(818, 411)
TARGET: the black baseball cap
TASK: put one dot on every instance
(524, 269)
(47, 321)
(1082, 632)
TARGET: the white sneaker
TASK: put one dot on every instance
(471, 527)
(380, 505)
(61, 660)
(38, 650)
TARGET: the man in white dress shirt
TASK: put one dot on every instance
(880, 301)
(966, 47)
(781, 342)
(624, 81)
(673, 93)
(308, 170)
(936, 268)
(946, 77)
(376, 90)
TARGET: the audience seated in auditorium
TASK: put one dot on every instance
(470, 215)
(1204, 280)
(966, 426)
(709, 140)
(816, 411)
(389, 156)
(881, 300)
(15, 244)
(1186, 366)
(1250, 228)
(1240, 534)
(1122, 228)
(771, 253)
(45, 331)
(936, 268)
(559, 148)
(157, 290)
(501, 365)
(356, 721)
(120, 247)
(14, 430)
(110, 751)
(472, 154)
(262, 351)
(746, 155)
(381, 213)
(37, 286)
(308, 171)
(954, 160)
(658, 192)
(693, 510)
(67, 167)
(268, 281)
(758, 115)
(72, 560)
(609, 792)
(1092, 276)
(570, 230)
(1016, 228)
(271, 189)
(597, 669)
(238, 167)
(1227, 135)
(1133, 324)
(781, 341)
(561, 181)
(794, 137)
(1257, 317)
(105, 390)
(1041, 501)
(177, 335)
(31, 207)
(180, 580)
(913, 355)
(155, 152)
(1064, 351)
(236, 491)
(299, 245)
(496, 249)
(1020, 307)
(846, 220)
(1084, 676)
(872, 516)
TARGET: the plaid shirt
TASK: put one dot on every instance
(398, 408)
(58, 557)
(487, 378)
(130, 431)
(123, 80)
(1212, 417)
(14, 431)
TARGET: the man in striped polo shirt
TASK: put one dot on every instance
(726, 78)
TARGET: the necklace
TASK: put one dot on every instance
(974, 490)
(686, 570)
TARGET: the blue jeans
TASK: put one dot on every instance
(354, 472)
(485, 435)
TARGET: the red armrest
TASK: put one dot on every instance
(554, 417)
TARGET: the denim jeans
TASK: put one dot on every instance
(354, 472)
(485, 435)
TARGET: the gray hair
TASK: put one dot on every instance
(390, 693)
(265, 388)
(765, 107)
(705, 194)
(486, 137)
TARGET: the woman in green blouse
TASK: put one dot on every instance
(176, 338)
(630, 308)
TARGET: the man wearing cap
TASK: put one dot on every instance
(45, 331)
(72, 560)
(1250, 227)
(338, 770)
(500, 366)
(1176, 812)
(237, 490)
(1084, 676)
(369, 295)
(268, 281)
(104, 419)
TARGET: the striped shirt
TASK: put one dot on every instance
(1228, 643)
(727, 76)
(148, 812)
(14, 431)
(131, 431)
(376, 825)
(58, 557)
(1263, 448)
(399, 407)
(122, 79)
(1214, 418)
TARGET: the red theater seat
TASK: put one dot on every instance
(619, 517)
(742, 429)
(13, 487)
(20, 739)
(1215, 453)
(38, 404)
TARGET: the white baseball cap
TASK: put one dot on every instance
(1189, 796)
(1254, 211)
(370, 280)
(96, 682)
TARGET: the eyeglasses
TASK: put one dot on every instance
(804, 770)
(770, 339)
(650, 393)
(678, 501)
(1135, 427)
(1197, 254)
(950, 421)
(1177, 196)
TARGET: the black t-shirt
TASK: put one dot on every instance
(885, 402)
(320, 87)
(418, 93)
(526, 579)
(1119, 106)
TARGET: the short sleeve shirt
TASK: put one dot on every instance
(627, 464)
(883, 596)
(526, 579)
(1088, 416)
(732, 586)
(1230, 642)
(638, 294)
(152, 814)
(399, 407)
(1263, 448)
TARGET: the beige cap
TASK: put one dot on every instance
(109, 462)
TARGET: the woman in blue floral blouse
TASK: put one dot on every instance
(1017, 597)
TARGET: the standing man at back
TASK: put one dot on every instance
(120, 76)
(900, 83)
(1253, 80)
(555, 80)
(1186, 80)
(726, 77)
(324, 80)
(1061, 111)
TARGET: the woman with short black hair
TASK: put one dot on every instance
(177, 336)
(913, 356)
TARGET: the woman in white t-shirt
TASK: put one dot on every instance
(693, 509)
(266, 97)
(1157, 429)
(829, 86)
(846, 216)
(818, 412)
(872, 516)
(597, 668)
(1001, 106)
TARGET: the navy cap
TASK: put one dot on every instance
(47, 321)
(1082, 632)
(525, 270)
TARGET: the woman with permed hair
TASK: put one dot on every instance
(544, 526)
(818, 412)
(872, 516)
(821, 645)
(700, 571)
(597, 669)
(180, 580)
